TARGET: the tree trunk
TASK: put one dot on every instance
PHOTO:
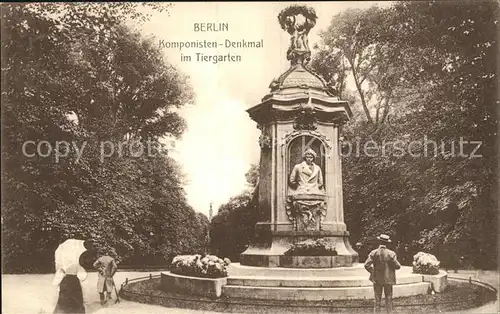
(386, 109)
(360, 91)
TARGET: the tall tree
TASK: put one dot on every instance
(434, 63)
(73, 73)
(232, 229)
(353, 43)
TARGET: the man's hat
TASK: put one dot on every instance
(384, 238)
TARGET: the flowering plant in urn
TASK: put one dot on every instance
(319, 247)
(208, 266)
(425, 263)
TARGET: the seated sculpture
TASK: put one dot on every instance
(306, 177)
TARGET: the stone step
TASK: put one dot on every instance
(358, 270)
(319, 294)
(358, 281)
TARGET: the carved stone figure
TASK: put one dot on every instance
(297, 21)
(301, 41)
(305, 204)
(306, 176)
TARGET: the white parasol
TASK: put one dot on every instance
(67, 254)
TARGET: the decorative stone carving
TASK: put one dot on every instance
(275, 84)
(306, 120)
(332, 90)
(306, 212)
(297, 133)
(341, 120)
(264, 141)
(297, 20)
(291, 135)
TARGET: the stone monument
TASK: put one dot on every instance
(300, 197)
(300, 186)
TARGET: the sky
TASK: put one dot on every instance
(221, 141)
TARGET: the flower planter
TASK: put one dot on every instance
(438, 282)
(208, 287)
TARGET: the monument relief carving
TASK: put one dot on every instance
(306, 206)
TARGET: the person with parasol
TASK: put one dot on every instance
(69, 274)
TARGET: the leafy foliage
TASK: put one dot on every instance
(438, 59)
(233, 227)
(353, 44)
(74, 73)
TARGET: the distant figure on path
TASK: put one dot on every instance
(106, 267)
(70, 290)
(382, 264)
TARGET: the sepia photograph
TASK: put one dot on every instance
(250, 157)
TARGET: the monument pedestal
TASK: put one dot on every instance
(293, 121)
(270, 245)
(342, 283)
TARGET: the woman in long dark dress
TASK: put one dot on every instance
(70, 290)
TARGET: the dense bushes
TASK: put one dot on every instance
(67, 81)
(209, 266)
(232, 229)
(430, 192)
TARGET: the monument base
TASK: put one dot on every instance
(270, 245)
(342, 283)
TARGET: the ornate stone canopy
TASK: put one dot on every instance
(300, 93)
(283, 107)
(299, 76)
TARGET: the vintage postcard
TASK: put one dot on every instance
(250, 157)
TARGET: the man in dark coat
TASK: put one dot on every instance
(106, 267)
(382, 264)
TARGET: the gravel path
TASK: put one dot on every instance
(34, 294)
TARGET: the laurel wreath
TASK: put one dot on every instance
(294, 9)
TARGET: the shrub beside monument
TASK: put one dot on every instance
(425, 263)
(209, 266)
